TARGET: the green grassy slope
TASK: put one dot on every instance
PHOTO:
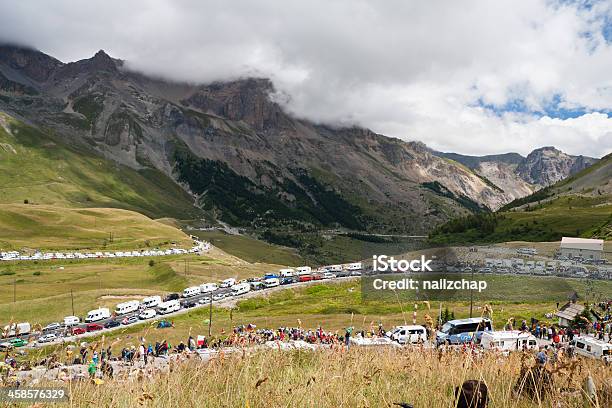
(52, 227)
(36, 167)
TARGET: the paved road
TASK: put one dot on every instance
(63, 333)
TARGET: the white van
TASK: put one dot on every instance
(591, 347)
(285, 273)
(226, 283)
(17, 329)
(169, 307)
(208, 287)
(97, 314)
(241, 288)
(508, 341)
(70, 321)
(408, 334)
(271, 282)
(192, 291)
(151, 301)
(127, 307)
(303, 270)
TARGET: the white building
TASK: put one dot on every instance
(588, 249)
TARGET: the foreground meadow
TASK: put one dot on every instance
(359, 377)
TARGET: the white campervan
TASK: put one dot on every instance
(192, 291)
(508, 341)
(227, 283)
(70, 321)
(287, 272)
(17, 329)
(208, 287)
(591, 347)
(127, 307)
(151, 301)
(97, 314)
(241, 288)
(303, 270)
(334, 268)
(271, 282)
(408, 334)
(169, 307)
(355, 266)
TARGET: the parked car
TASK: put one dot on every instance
(172, 296)
(78, 330)
(329, 275)
(46, 338)
(111, 324)
(218, 296)
(147, 314)
(51, 327)
(94, 327)
(189, 304)
(204, 300)
(130, 319)
(18, 342)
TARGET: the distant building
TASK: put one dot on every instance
(568, 313)
(591, 249)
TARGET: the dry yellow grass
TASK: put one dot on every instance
(336, 378)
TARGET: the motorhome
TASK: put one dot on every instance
(191, 291)
(462, 331)
(591, 347)
(286, 272)
(70, 321)
(334, 268)
(17, 329)
(208, 287)
(169, 307)
(408, 334)
(97, 314)
(151, 301)
(241, 289)
(127, 307)
(228, 283)
(271, 282)
(303, 270)
(508, 341)
(355, 266)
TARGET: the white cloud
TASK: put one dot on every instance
(414, 70)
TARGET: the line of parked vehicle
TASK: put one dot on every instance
(133, 311)
(42, 256)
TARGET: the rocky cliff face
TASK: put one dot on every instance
(547, 165)
(237, 151)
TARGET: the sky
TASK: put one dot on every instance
(472, 77)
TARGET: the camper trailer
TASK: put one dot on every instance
(227, 283)
(241, 288)
(334, 268)
(208, 287)
(70, 321)
(191, 291)
(286, 272)
(303, 270)
(591, 347)
(271, 282)
(97, 314)
(169, 307)
(151, 301)
(508, 341)
(127, 307)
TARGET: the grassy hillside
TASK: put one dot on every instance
(37, 168)
(51, 227)
(549, 221)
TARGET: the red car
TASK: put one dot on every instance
(305, 278)
(94, 327)
(78, 330)
(317, 276)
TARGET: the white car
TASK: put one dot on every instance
(218, 296)
(51, 327)
(46, 338)
(329, 275)
(204, 300)
(147, 314)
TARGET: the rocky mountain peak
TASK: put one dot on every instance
(28, 62)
